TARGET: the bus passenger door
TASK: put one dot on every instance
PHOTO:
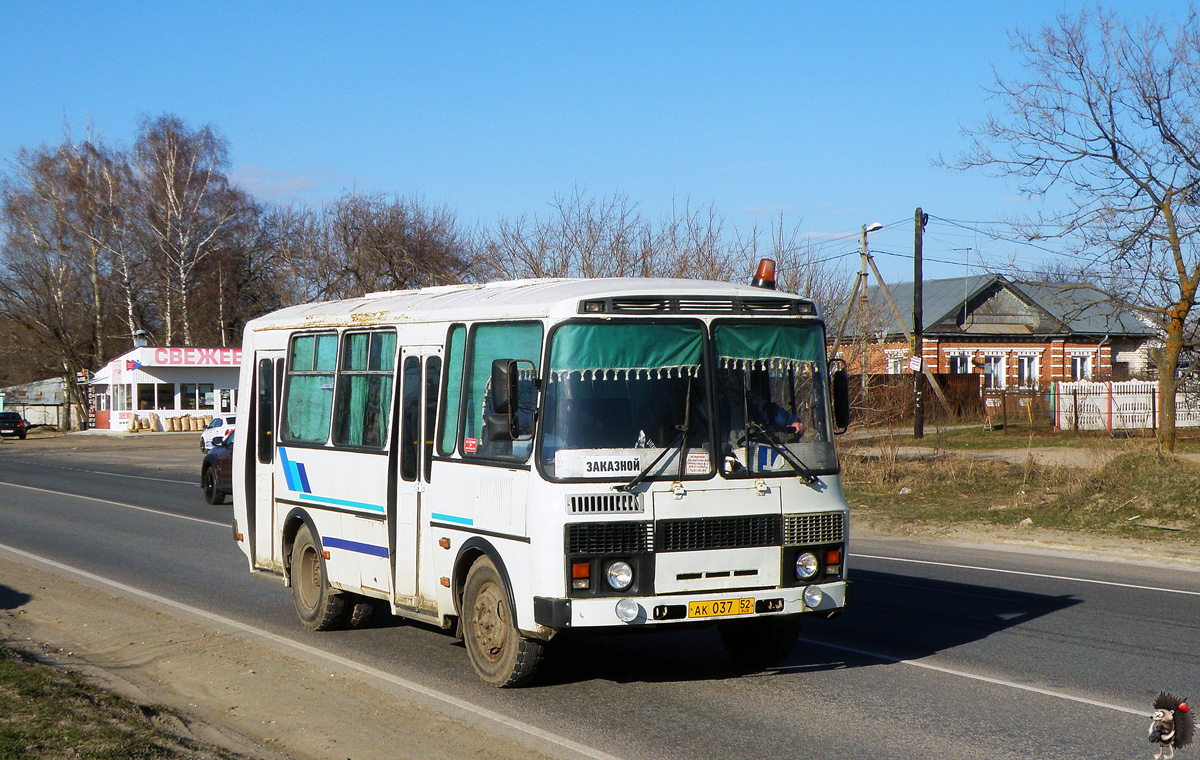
(268, 380)
(420, 380)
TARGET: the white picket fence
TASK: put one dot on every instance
(1127, 405)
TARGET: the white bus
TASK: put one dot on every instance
(519, 460)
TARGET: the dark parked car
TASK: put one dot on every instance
(216, 472)
(12, 423)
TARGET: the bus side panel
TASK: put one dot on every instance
(464, 500)
(346, 493)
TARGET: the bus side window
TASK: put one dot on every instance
(410, 412)
(363, 402)
(265, 414)
(510, 340)
(456, 344)
(433, 376)
(308, 389)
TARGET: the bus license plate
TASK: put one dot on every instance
(720, 607)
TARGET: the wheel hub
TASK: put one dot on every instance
(490, 622)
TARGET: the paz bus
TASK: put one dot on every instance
(520, 460)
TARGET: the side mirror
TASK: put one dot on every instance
(840, 383)
(513, 400)
(218, 441)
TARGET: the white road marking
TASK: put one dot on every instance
(459, 704)
(112, 474)
(973, 676)
(118, 504)
(1028, 574)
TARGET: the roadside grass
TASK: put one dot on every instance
(977, 437)
(1139, 493)
(49, 713)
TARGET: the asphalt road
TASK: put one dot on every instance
(946, 652)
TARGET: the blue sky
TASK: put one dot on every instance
(827, 113)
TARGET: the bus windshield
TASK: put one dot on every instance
(769, 390)
(622, 397)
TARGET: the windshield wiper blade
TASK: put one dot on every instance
(676, 444)
(806, 472)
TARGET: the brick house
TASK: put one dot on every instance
(1016, 335)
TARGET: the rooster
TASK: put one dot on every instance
(1172, 725)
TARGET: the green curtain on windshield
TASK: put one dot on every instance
(767, 345)
(619, 351)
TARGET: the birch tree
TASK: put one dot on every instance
(186, 208)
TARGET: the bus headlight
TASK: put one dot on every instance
(813, 597)
(620, 575)
(806, 566)
(628, 610)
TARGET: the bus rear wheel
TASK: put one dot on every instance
(759, 643)
(500, 655)
(319, 607)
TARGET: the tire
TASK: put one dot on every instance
(208, 481)
(760, 642)
(362, 609)
(500, 655)
(21, 435)
(318, 606)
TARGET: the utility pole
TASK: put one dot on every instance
(860, 286)
(919, 220)
(863, 307)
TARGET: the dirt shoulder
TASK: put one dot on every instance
(233, 691)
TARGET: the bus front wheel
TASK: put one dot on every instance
(499, 653)
(320, 607)
(759, 643)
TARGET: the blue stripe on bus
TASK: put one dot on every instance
(287, 469)
(303, 476)
(452, 519)
(340, 502)
(354, 546)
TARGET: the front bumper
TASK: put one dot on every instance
(559, 614)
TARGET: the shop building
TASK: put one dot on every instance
(150, 387)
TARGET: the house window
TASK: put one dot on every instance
(1027, 372)
(993, 372)
(895, 365)
(1081, 367)
(960, 365)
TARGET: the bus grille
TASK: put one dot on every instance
(610, 538)
(603, 504)
(718, 533)
(814, 529)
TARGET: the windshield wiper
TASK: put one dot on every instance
(806, 472)
(678, 444)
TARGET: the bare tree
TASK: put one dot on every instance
(186, 208)
(361, 243)
(586, 236)
(44, 292)
(1105, 118)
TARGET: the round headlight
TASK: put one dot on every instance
(628, 610)
(806, 566)
(620, 575)
(813, 597)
